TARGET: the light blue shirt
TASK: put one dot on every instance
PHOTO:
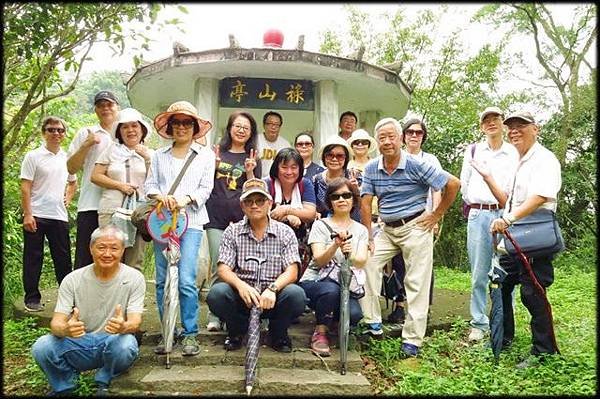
(197, 182)
(404, 192)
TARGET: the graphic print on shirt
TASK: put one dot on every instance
(231, 174)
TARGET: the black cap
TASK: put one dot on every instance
(105, 95)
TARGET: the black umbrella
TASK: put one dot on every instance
(253, 334)
(541, 291)
(497, 276)
(344, 324)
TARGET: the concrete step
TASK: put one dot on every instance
(210, 355)
(229, 380)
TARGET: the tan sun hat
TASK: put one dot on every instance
(362, 134)
(185, 108)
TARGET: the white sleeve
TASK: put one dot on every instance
(28, 167)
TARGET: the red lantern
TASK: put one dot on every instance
(273, 38)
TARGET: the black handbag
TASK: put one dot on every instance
(538, 235)
(391, 287)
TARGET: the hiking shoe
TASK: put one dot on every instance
(190, 346)
(374, 330)
(214, 323)
(34, 307)
(397, 316)
(476, 335)
(232, 343)
(283, 345)
(160, 348)
(101, 389)
(319, 344)
(410, 350)
(528, 362)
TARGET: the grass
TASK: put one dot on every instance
(448, 365)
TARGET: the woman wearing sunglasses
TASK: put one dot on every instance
(305, 145)
(236, 163)
(320, 281)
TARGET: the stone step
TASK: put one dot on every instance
(300, 358)
(229, 380)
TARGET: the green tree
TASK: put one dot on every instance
(561, 51)
(43, 40)
(100, 80)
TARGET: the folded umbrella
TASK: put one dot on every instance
(497, 276)
(253, 334)
(344, 324)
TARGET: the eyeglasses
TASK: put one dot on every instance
(273, 124)
(58, 130)
(336, 196)
(518, 127)
(410, 132)
(260, 201)
(331, 156)
(304, 144)
(181, 122)
(241, 127)
(361, 142)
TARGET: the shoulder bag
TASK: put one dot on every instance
(538, 235)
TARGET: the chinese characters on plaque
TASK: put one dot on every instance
(266, 93)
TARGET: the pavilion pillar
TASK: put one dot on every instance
(326, 119)
(206, 100)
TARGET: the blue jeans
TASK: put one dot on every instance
(479, 249)
(62, 359)
(324, 297)
(225, 303)
(188, 292)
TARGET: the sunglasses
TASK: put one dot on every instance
(184, 122)
(410, 132)
(59, 130)
(361, 142)
(331, 156)
(258, 201)
(336, 196)
(304, 144)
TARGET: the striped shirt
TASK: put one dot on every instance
(197, 181)
(278, 247)
(404, 192)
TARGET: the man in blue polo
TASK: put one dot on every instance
(401, 183)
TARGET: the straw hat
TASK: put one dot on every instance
(362, 134)
(130, 115)
(185, 108)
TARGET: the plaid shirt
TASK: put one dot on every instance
(279, 248)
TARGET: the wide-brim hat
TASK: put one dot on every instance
(362, 134)
(181, 107)
(130, 115)
(333, 141)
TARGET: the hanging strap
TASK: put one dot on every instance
(180, 176)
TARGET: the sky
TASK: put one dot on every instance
(207, 26)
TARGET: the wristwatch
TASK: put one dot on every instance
(273, 287)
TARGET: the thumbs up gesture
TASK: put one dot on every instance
(75, 327)
(115, 324)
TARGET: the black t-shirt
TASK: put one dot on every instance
(223, 205)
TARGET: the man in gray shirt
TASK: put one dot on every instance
(98, 309)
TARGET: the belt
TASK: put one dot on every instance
(491, 207)
(402, 222)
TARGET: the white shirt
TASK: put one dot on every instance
(538, 173)
(89, 193)
(49, 175)
(114, 157)
(500, 163)
(267, 151)
(432, 159)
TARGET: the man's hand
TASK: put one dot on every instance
(498, 226)
(116, 323)
(75, 327)
(267, 299)
(249, 295)
(29, 224)
(428, 221)
(481, 169)
(91, 139)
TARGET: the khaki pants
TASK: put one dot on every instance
(133, 256)
(416, 245)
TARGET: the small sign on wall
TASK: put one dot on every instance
(266, 93)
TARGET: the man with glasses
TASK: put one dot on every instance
(401, 183)
(348, 121)
(44, 201)
(270, 141)
(257, 245)
(86, 147)
(485, 182)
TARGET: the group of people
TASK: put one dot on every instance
(278, 224)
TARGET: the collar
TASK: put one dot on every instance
(46, 151)
(194, 147)
(531, 151)
(401, 164)
(505, 147)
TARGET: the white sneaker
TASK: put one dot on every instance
(214, 324)
(476, 334)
